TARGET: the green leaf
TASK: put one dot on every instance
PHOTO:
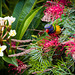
(10, 60)
(27, 22)
(17, 12)
(28, 6)
(0, 8)
(37, 19)
(1, 63)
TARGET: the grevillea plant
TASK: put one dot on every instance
(52, 54)
(17, 70)
(49, 44)
(70, 46)
(53, 11)
(64, 2)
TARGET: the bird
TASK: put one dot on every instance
(52, 29)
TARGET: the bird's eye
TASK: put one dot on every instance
(51, 27)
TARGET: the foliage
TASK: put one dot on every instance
(32, 50)
(68, 26)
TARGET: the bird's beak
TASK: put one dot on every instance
(47, 30)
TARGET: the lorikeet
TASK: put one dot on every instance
(52, 29)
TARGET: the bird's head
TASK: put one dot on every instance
(49, 28)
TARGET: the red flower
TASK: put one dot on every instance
(16, 70)
(53, 11)
(70, 46)
(49, 42)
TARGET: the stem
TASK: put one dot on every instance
(21, 45)
(22, 53)
(70, 66)
(40, 1)
(44, 70)
(18, 48)
(21, 41)
(37, 30)
(5, 35)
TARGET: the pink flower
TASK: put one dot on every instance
(53, 42)
(73, 34)
(16, 70)
(53, 11)
(13, 43)
(70, 46)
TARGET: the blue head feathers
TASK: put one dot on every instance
(50, 28)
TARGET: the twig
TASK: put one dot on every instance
(37, 30)
(22, 53)
(21, 41)
(18, 48)
(5, 35)
(21, 49)
(21, 46)
(43, 71)
(70, 66)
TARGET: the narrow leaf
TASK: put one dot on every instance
(10, 60)
(27, 22)
(28, 6)
(17, 12)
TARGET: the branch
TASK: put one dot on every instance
(22, 45)
(44, 70)
(18, 48)
(21, 41)
(5, 35)
(22, 53)
(37, 30)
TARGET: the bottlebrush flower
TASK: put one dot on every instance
(53, 42)
(12, 33)
(50, 42)
(64, 2)
(70, 46)
(16, 70)
(2, 48)
(53, 11)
